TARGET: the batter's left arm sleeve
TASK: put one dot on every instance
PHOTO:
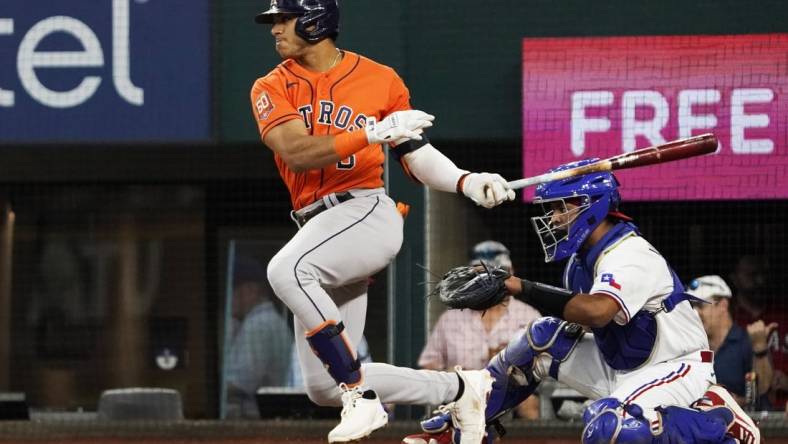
(433, 168)
(420, 160)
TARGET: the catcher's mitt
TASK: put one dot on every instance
(477, 288)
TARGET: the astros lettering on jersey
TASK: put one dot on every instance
(330, 103)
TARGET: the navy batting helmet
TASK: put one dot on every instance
(317, 19)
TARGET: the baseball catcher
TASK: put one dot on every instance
(645, 360)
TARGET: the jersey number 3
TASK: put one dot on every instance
(347, 164)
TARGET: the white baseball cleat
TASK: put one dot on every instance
(362, 414)
(742, 428)
(468, 411)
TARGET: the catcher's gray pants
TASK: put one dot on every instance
(321, 275)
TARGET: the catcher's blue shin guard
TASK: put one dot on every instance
(607, 421)
(331, 346)
(513, 368)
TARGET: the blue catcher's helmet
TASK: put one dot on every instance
(317, 19)
(594, 196)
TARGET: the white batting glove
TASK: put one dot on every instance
(486, 189)
(398, 126)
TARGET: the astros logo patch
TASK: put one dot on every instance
(608, 277)
(264, 106)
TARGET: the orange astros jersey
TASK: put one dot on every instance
(330, 103)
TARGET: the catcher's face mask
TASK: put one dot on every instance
(591, 198)
(555, 229)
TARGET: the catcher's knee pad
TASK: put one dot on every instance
(553, 337)
(513, 369)
(607, 421)
(332, 347)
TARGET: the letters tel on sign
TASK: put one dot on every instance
(92, 56)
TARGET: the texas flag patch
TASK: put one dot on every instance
(264, 106)
(608, 277)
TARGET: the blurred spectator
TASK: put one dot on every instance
(259, 351)
(470, 338)
(737, 352)
(756, 301)
(749, 280)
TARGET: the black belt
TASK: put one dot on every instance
(301, 219)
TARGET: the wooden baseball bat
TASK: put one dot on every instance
(667, 152)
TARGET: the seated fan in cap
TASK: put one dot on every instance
(737, 351)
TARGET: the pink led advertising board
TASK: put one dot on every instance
(598, 97)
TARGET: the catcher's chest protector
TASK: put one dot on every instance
(624, 347)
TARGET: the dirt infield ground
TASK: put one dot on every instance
(272, 440)
(249, 432)
(257, 440)
(271, 432)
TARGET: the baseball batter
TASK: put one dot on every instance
(328, 114)
(646, 361)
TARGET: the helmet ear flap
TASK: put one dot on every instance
(615, 200)
(317, 25)
(305, 28)
(615, 197)
(606, 191)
